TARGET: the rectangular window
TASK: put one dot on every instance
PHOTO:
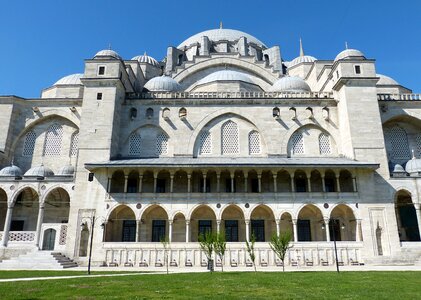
(99, 96)
(329, 185)
(204, 227)
(129, 231)
(160, 185)
(17, 225)
(231, 230)
(334, 230)
(357, 69)
(304, 230)
(254, 185)
(101, 70)
(207, 185)
(158, 230)
(258, 230)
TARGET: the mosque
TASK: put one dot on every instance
(223, 135)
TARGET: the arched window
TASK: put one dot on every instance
(74, 141)
(324, 144)
(205, 146)
(161, 144)
(229, 138)
(254, 142)
(418, 143)
(297, 143)
(398, 141)
(53, 137)
(135, 143)
(29, 145)
(149, 113)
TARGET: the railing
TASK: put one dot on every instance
(224, 95)
(399, 97)
(189, 254)
(22, 236)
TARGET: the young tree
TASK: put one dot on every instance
(220, 246)
(250, 250)
(280, 245)
(166, 244)
(206, 242)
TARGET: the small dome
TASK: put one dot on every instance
(106, 54)
(162, 84)
(68, 170)
(73, 79)
(40, 171)
(12, 171)
(413, 166)
(301, 59)
(398, 169)
(146, 59)
(386, 80)
(350, 54)
(225, 75)
(290, 84)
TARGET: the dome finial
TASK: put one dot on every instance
(109, 46)
(413, 154)
(346, 45)
(301, 48)
(144, 54)
(220, 25)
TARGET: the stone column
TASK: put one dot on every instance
(155, 181)
(275, 185)
(109, 185)
(338, 184)
(232, 181)
(218, 182)
(218, 226)
(189, 183)
(140, 182)
(327, 229)
(39, 224)
(323, 183)
(354, 184)
(7, 223)
(295, 229)
(358, 229)
(126, 178)
(259, 181)
(170, 230)
(247, 230)
(138, 222)
(278, 227)
(187, 231)
(418, 214)
(171, 182)
(204, 174)
(292, 184)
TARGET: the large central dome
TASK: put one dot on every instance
(220, 35)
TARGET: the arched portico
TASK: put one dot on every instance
(310, 224)
(121, 225)
(154, 225)
(342, 223)
(406, 217)
(202, 220)
(262, 223)
(233, 224)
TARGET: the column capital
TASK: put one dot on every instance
(247, 221)
(187, 222)
(170, 222)
(218, 221)
(277, 221)
(294, 221)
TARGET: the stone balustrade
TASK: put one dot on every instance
(399, 97)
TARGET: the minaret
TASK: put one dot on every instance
(220, 25)
(301, 48)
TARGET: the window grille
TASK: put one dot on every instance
(161, 144)
(229, 138)
(74, 143)
(324, 144)
(297, 143)
(29, 145)
(205, 143)
(254, 142)
(398, 141)
(135, 144)
(53, 137)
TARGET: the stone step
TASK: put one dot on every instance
(39, 260)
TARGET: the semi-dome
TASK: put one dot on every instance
(162, 84)
(39, 171)
(106, 54)
(386, 80)
(301, 59)
(12, 171)
(413, 166)
(350, 54)
(68, 170)
(73, 79)
(146, 59)
(290, 84)
(225, 75)
(221, 34)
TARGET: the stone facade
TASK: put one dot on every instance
(223, 135)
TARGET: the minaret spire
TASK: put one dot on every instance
(220, 25)
(301, 48)
(346, 45)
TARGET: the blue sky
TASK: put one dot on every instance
(42, 41)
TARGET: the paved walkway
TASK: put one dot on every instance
(160, 270)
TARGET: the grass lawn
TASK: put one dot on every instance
(291, 285)
(52, 273)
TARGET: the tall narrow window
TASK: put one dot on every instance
(53, 137)
(158, 230)
(258, 230)
(324, 144)
(418, 142)
(135, 143)
(129, 231)
(231, 230)
(74, 141)
(205, 146)
(161, 144)
(205, 226)
(398, 141)
(254, 142)
(229, 138)
(29, 144)
(297, 143)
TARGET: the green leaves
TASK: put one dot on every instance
(280, 245)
